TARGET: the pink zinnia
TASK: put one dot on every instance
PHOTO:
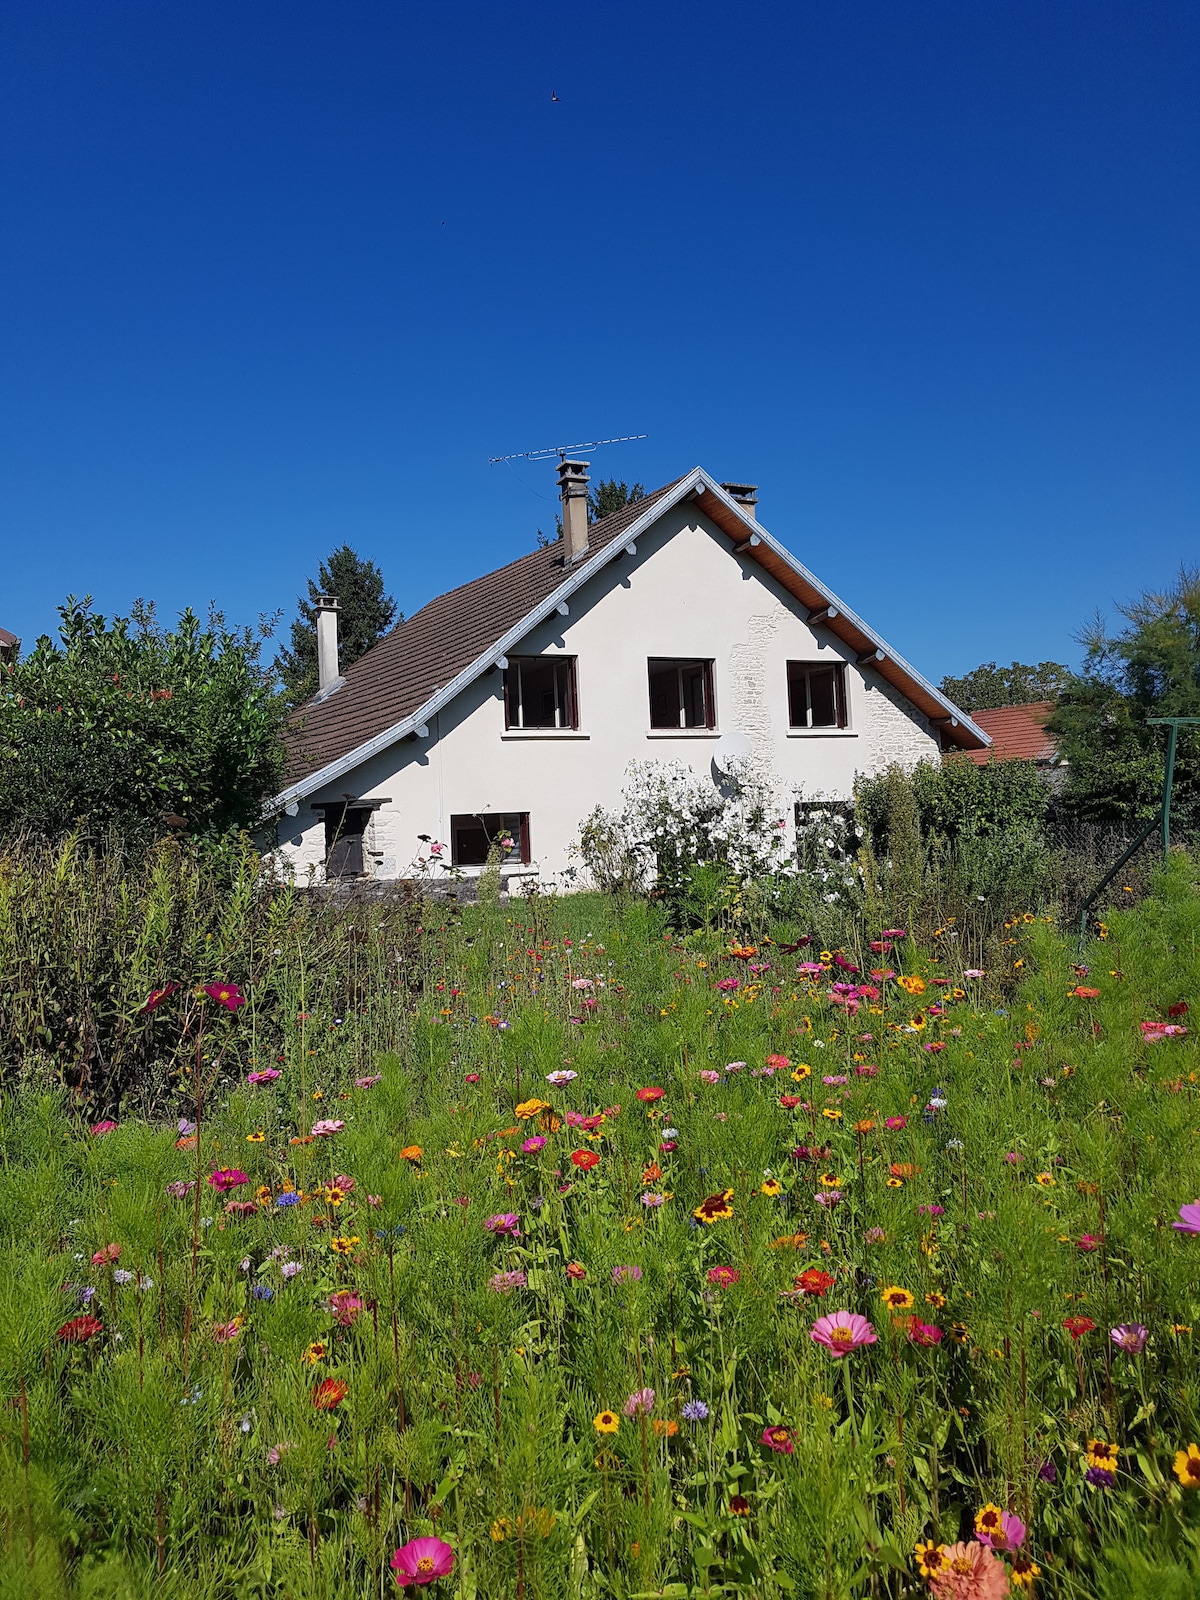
(723, 1275)
(345, 1307)
(227, 1178)
(422, 1561)
(109, 1254)
(710, 1077)
(505, 1224)
(894, 1123)
(842, 1331)
(971, 1572)
(103, 1127)
(267, 1075)
(925, 1333)
(322, 1130)
(532, 1146)
(779, 1440)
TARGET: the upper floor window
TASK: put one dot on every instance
(539, 692)
(681, 694)
(816, 695)
(472, 837)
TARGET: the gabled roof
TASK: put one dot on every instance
(1018, 733)
(432, 656)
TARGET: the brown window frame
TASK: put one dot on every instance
(566, 693)
(799, 682)
(661, 664)
(471, 821)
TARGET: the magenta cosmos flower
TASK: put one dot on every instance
(1130, 1337)
(227, 1178)
(1189, 1218)
(267, 1075)
(842, 1331)
(422, 1561)
(226, 994)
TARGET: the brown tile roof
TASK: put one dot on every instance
(429, 649)
(1018, 733)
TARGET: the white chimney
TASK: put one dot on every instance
(746, 495)
(327, 642)
(573, 486)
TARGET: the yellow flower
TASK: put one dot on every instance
(829, 1180)
(772, 1187)
(931, 1558)
(1100, 1454)
(897, 1299)
(833, 1114)
(501, 1529)
(530, 1108)
(315, 1352)
(1047, 1180)
(606, 1422)
(255, 1138)
(344, 1245)
(911, 984)
(989, 1519)
(802, 1071)
(1024, 1571)
(1187, 1467)
(937, 1301)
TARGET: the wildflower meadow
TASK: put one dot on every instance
(543, 1249)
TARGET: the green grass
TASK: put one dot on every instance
(156, 1458)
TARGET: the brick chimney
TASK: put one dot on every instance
(327, 641)
(746, 495)
(573, 486)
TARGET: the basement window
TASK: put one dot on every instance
(539, 692)
(681, 694)
(816, 695)
(472, 837)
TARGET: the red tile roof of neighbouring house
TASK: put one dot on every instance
(1018, 734)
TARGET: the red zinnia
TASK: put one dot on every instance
(1081, 993)
(650, 1094)
(814, 1282)
(329, 1392)
(79, 1329)
(1078, 1326)
(585, 1159)
(225, 994)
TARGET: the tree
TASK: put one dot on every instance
(365, 614)
(990, 686)
(122, 725)
(1151, 668)
(608, 496)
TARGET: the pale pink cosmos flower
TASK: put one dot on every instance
(328, 1125)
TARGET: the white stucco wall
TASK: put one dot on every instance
(683, 594)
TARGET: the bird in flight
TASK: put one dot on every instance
(553, 96)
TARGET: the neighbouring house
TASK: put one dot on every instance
(1018, 733)
(10, 648)
(676, 629)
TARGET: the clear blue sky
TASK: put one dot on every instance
(276, 276)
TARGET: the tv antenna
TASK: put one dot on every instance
(562, 451)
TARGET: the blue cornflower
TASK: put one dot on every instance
(262, 1291)
(291, 1198)
(694, 1411)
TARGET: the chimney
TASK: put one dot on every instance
(327, 642)
(573, 486)
(746, 495)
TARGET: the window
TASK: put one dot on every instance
(681, 694)
(816, 695)
(539, 692)
(344, 830)
(472, 837)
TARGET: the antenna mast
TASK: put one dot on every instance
(562, 451)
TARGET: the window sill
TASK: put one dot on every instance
(514, 869)
(683, 733)
(822, 733)
(544, 733)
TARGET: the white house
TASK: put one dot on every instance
(675, 629)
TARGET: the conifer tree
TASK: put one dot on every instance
(365, 614)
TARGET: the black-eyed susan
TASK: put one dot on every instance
(316, 1351)
(606, 1422)
(716, 1208)
(1046, 1180)
(931, 1558)
(343, 1244)
(801, 1072)
(255, 1138)
(896, 1298)
(1101, 1454)
(771, 1187)
(1187, 1466)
